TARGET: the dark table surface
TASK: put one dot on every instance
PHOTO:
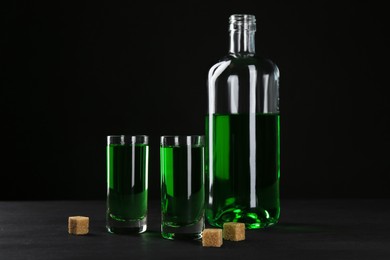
(308, 229)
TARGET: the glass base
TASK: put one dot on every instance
(126, 226)
(189, 236)
(191, 232)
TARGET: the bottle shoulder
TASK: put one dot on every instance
(235, 62)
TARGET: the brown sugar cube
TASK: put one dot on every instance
(212, 237)
(78, 225)
(234, 231)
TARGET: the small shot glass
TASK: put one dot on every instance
(182, 186)
(127, 183)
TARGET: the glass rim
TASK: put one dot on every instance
(127, 139)
(182, 140)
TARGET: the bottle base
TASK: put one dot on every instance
(219, 224)
(126, 226)
(252, 220)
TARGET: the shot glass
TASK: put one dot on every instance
(127, 183)
(182, 187)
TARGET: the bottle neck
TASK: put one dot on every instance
(242, 42)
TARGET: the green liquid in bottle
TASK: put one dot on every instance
(127, 183)
(182, 192)
(243, 169)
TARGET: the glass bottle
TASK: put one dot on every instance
(243, 133)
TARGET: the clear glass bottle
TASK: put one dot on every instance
(243, 133)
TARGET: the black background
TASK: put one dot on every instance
(71, 74)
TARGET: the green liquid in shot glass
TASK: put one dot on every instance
(127, 182)
(182, 191)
